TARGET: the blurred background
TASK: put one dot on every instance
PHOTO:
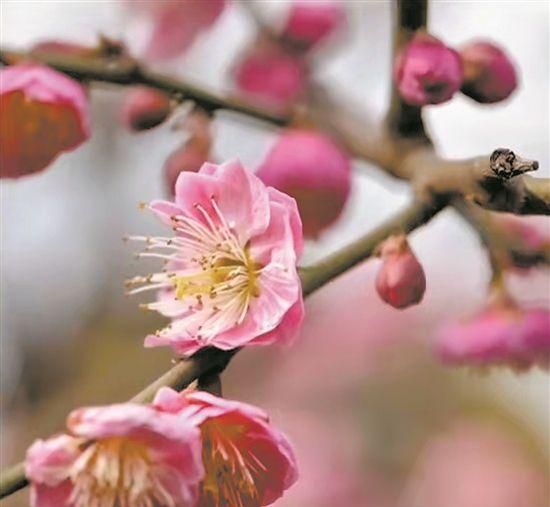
(376, 420)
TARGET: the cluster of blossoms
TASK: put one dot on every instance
(184, 450)
(429, 72)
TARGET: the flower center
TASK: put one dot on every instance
(230, 471)
(117, 472)
(211, 272)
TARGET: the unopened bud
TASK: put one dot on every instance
(401, 281)
(489, 74)
(145, 108)
(427, 71)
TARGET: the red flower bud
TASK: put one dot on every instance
(309, 22)
(401, 281)
(316, 172)
(44, 113)
(427, 71)
(489, 75)
(145, 108)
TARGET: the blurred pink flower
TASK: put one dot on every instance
(489, 74)
(310, 167)
(401, 281)
(144, 108)
(311, 21)
(247, 461)
(176, 23)
(127, 455)
(44, 113)
(231, 277)
(269, 75)
(501, 334)
(472, 465)
(532, 232)
(427, 71)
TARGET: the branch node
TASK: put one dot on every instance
(505, 164)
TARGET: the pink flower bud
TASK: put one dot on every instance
(193, 153)
(44, 113)
(309, 22)
(144, 108)
(427, 71)
(489, 75)
(270, 76)
(501, 334)
(401, 281)
(311, 168)
(187, 157)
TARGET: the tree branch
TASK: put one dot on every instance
(127, 71)
(208, 363)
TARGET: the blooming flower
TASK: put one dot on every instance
(311, 168)
(247, 462)
(401, 281)
(489, 74)
(270, 75)
(145, 108)
(501, 334)
(44, 113)
(126, 455)
(231, 277)
(309, 22)
(427, 71)
(176, 23)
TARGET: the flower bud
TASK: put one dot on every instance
(401, 281)
(312, 169)
(270, 76)
(193, 153)
(145, 108)
(44, 113)
(309, 22)
(427, 71)
(500, 334)
(489, 75)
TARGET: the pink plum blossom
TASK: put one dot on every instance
(489, 74)
(427, 71)
(309, 22)
(247, 461)
(270, 75)
(175, 24)
(44, 113)
(231, 277)
(501, 334)
(475, 465)
(144, 108)
(401, 281)
(310, 167)
(126, 455)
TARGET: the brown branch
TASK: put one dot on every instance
(208, 363)
(127, 71)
